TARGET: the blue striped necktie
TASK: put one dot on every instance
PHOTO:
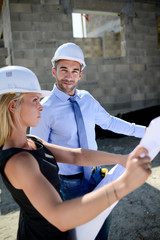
(81, 131)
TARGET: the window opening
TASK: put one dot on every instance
(79, 25)
(104, 26)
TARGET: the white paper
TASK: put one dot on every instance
(89, 231)
(151, 139)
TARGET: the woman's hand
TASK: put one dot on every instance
(138, 168)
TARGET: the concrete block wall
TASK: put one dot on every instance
(33, 29)
(92, 47)
(111, 44)
(142, 55)
(131, 81)
(37, 29)
(3, 54)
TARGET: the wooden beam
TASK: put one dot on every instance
(1, 2)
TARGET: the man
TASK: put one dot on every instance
(58, 123)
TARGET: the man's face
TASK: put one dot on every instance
(67, 75)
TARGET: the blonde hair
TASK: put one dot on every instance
(6, 122)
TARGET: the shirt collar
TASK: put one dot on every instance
(63, 96)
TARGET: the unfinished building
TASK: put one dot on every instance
(120, 40)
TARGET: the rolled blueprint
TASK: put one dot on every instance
(151, 141)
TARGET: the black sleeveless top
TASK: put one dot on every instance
(32, 225)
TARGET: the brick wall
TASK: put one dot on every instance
(33, 29)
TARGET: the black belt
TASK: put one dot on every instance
(75, 176)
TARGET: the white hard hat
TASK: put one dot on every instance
(16, 79)
(69, 51)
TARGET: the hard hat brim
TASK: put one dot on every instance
(44, 93)
(55, 59)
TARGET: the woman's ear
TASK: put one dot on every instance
(12, 106)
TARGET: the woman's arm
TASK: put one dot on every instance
(23, 172)
(84, 157)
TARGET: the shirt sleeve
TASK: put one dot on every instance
(123, 127)
(117, 125)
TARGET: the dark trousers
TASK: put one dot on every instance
(76, 187)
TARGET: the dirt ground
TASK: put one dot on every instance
(136, 217)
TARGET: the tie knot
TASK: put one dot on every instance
(72, 99)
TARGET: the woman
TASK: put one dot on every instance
(29, 170)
